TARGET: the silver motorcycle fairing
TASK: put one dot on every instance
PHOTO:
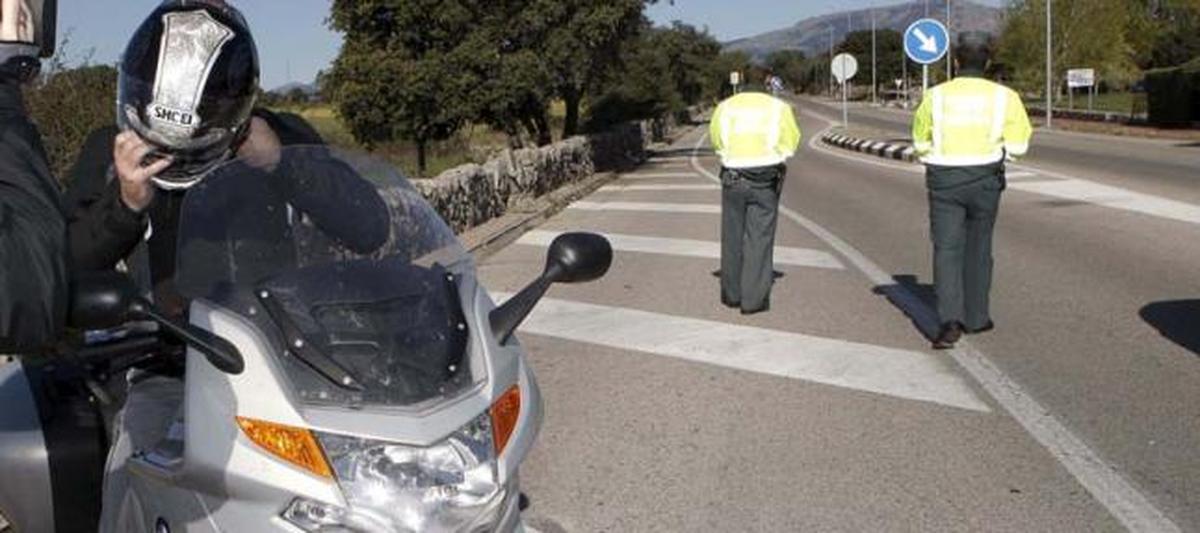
(216, 479)
(52, 446)
(25, 494)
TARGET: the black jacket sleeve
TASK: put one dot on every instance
(33, 259)
(331, 193)
(102, 229)
(315, 183)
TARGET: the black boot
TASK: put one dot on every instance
(949, 334)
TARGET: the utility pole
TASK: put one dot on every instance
(874, 81)
(926, 8)
(1049, 64)
(949, 42)
(830, 58)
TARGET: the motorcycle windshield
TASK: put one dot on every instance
(349, 273)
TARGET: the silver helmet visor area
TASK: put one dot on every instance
(31, 23)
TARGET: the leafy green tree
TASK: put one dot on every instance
(889, 55)
(788, 65)
(662, 72)
(584, 39)
(1103, 34)
(1175, 33)
(396, 75)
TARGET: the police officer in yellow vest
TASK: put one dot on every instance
(754, 134)
(963, 131)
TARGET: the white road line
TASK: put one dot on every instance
(692, 248)
(655, 175)
(1123, 500)
(1020, 175)
(636, 188)
(1108, 196)
(863, 367)
(648, 207)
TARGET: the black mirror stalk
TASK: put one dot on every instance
(220, 352)
(101, 300)
(573, 258)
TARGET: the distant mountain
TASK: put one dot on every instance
(283, 90)
(811, 35)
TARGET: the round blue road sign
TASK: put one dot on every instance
(926, 41)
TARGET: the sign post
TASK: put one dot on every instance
(735, 79)
(926, 42)
(844, 67)
(1081, 77)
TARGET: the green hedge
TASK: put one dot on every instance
(1174, 95)
(66, 106)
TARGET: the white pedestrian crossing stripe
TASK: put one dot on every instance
(1115, 197)
(647, 207)
(660, 175)
(644, 188)
(692, 248)
(864, 367)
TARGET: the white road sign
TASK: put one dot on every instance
(1081, 77)
(844, 67)
(735, 78)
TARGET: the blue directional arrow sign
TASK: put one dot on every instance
(926, 41)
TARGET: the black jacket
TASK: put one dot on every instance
(33, 233)
(104, 231)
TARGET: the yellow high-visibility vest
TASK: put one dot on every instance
(751, 130)
(968, 122)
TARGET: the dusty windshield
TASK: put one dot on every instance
(347, 270)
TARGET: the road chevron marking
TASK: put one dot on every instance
(863, 367)
(692, 248)
(1102, 480)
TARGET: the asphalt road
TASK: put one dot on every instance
(1170, 168)
(667, 412)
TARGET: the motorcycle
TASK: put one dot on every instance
(340, 369)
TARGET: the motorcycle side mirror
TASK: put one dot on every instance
(103, 300)
(572, 258)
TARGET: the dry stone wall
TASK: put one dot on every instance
(469, 195)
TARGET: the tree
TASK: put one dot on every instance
(1103, 34)
(788, 65)
(664, 71)
(396, 74)
(889, 54)
(1175, 27)
(585, 39)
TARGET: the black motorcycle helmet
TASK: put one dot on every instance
(27, 33)
(188, 83)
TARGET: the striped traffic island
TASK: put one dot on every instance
(886, 150)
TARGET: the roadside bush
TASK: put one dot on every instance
(67, 105)
(1174, 95)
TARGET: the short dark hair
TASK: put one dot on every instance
(973, 51)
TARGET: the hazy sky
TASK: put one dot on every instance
(294, 42)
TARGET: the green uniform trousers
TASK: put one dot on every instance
(963, 203)
(749, 213)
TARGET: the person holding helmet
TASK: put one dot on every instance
(33, 228)
(186, 92)
(187, 86)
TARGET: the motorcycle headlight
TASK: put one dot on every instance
(394, 487)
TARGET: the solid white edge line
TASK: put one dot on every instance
(1109, 487)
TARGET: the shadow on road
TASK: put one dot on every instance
(916, 300)
(1178, 321)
